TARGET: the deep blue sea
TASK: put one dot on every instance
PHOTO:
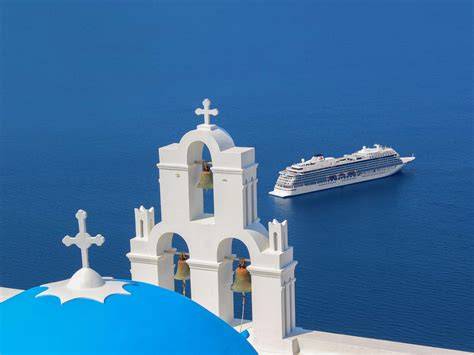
(91, 89)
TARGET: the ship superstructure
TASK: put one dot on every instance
(320, 173)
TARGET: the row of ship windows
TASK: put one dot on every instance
(316, 180)
(331, 178)
(361, 166)
(371, 157)
(391, 158)
(338, 171)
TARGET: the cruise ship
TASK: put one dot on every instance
(321, 173)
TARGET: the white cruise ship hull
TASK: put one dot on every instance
(367, 176)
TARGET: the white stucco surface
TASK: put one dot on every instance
(314, 342)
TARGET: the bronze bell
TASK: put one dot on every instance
(242, 282)
(205, 180)
(182, 271)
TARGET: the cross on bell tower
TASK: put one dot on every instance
(207, 111)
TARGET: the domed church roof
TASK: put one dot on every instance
(150, 320)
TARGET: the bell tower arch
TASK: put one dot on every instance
(234, 175)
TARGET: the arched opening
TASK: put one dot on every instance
(178, 246)
(232, 250)
(202, 194)
(169, 248)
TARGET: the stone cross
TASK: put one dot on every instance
(206, 111)
(83, 240)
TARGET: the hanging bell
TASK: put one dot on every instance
(205, 180)
(242, 282)
(182, 271)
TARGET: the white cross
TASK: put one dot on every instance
(83, 240)
(206, 111)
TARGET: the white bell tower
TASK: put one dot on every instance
(209, 237)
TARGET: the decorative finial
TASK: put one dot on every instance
(206, 111)
(86, 282)
(83, 240)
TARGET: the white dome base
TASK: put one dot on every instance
(85, 278)
(85, 283)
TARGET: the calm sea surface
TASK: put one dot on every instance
(90, 90)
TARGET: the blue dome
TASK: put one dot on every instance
(151, 320)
